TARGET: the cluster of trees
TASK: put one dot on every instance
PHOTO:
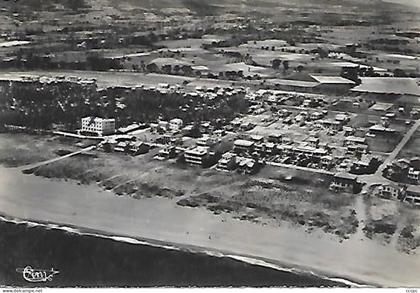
(39, 106)
(42, 105)
(147, 105)
(276, 63)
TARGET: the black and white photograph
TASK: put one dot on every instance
(209, 144)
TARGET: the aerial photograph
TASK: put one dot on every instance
(209, 144)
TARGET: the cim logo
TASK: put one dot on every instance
(37, 275)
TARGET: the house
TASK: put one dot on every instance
(390, 191)
(366, 165)
(98, 126)
(138, 148)
(413, 175)
(247, 126)
(354, 140)
(344, 182)
(275, 138)
(227, 162)
(207, 141)
(196, 155)
(270, 149)
(332, 124)
(121, 146)
(316, 115)
(348, 131)
(164, 125)
(247, 166)
(379, 129)
(243, 146)
(175, 124)
(256, 138)
(343, 118)
(154, 127)
(326, 162)
(313, 142)
(166, 153)
(357, 149)
(413, 195)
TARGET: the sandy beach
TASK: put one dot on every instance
(33, 198)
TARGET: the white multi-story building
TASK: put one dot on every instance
(98, 125)
(196, 155)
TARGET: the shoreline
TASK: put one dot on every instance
(249, 259)
(163, 222)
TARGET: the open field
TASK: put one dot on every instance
(412, 148)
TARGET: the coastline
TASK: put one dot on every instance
(252, 260)
(161, 220)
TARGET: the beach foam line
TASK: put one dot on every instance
(190, 249)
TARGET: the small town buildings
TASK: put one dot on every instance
(98, 126)
(196, 155)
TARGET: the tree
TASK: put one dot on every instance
(399, 73)
(152, 67)
(285, 65)
(276, 63)
(195, 131)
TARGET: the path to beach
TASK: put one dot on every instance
(30, 197)
(39, 164)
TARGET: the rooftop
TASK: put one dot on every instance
(243, 143)
(332, 79)
(388, 85)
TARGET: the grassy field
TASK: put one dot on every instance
(412, 148)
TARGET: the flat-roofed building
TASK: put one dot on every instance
(413, 194)
(196, 156)
(98, 125)
(354, 140)
(390, 191)
(243, 146)
(227, 162)
(344, 182)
